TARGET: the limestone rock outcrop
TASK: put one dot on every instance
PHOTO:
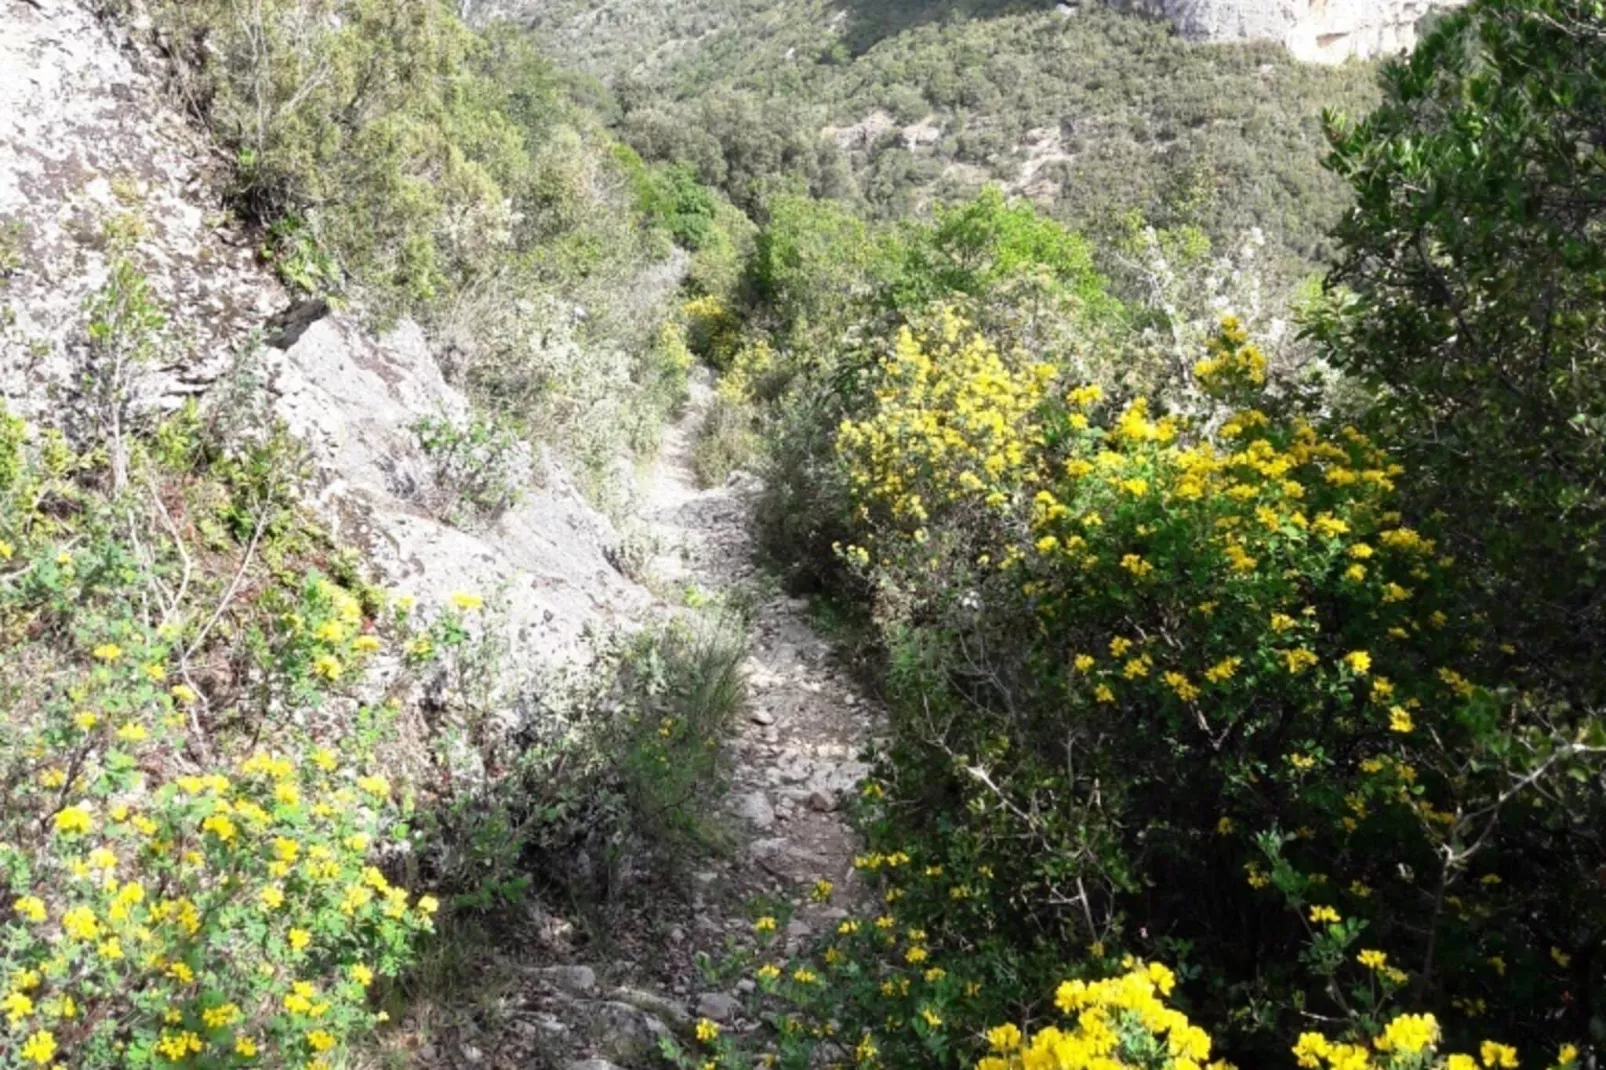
(92, 154)
(353, 399)
(1316, 31)
(97, 164)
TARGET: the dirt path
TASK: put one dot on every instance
(797, 747)
(576, 1000)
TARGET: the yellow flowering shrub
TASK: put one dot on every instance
(228, 914)
(712, 329)
(873, 988)
(197, 848)
(1135, 655)
(954, 422)
(1125, 1023)
(225, 916)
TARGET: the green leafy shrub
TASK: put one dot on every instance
(725, 442)
(292, 249)
(123, 329)
(983, 247)
(686, 685)
(718, 264)
(812, 262)
(712, 328)
(479, 466)
(1228, 611)
(619, 766)
(669, 196)
(370, 122)
(1468, 283)
(662, 375)
(536, 368)
(416, 166)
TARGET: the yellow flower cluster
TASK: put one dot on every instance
(713, 330)
(967, 450)
(1115, 1024)
(1124, 1022)
(1409, 1041)
(954, 419)
(154, 891)
(1232, 361)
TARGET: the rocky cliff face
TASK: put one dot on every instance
(96, 165)
(1316, 31)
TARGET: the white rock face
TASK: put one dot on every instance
(89, 145)
(88, 141)
(1316, 31)
(354, 400)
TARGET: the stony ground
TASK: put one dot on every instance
(565, 995)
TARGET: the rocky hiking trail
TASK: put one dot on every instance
(601, 1004)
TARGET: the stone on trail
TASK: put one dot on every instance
(754, 808)
(652, 1003)
(822, 802)
(719, 1006)
(622, 1031)
(578, 980)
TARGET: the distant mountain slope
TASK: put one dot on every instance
(610, 38)
(1088, 111)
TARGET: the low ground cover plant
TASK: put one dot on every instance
(179, 887)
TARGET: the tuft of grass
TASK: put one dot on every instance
(725, 443)
(686, 686)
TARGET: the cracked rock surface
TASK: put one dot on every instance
(90, 147)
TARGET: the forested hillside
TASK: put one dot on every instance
(1141, 609)
(1092, 115)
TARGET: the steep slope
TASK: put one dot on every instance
(1090, 112)
(97, 170)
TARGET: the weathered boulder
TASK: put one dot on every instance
(94, 158)
(576, 980)
(621, 1032)
(719, 1006)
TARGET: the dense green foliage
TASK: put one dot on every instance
(1090, 115)
(1476, 253)
(408, 143)
(1182, 663)
(192, 839)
